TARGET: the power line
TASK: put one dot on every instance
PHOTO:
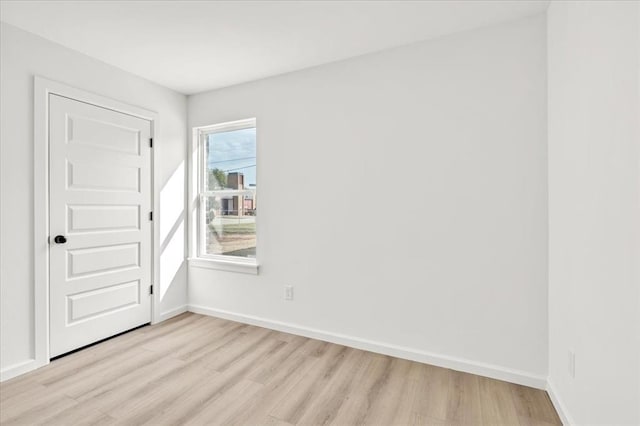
(233, 159)
(238, 168)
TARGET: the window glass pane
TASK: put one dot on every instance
(230, 215)
(229, 155)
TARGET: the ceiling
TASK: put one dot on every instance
(194, 46)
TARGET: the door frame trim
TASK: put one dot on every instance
(42, 89)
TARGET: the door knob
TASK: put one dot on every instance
(60, 239)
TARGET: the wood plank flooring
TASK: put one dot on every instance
(197, 370)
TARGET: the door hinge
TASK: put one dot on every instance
(150, 215)
(150, 142)
(151, 289)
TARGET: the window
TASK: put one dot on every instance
(227, 192)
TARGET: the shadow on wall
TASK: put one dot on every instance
(172, 230)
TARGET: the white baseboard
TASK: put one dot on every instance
(20, 368)
(558, 405)
(467, 366)
(172, 313)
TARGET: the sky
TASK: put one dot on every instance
(234, 151)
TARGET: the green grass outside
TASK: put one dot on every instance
(235, 228)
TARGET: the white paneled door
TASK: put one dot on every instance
(100, 229)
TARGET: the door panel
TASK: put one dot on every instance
(87, 174)
(88, 304)
(103, 260)
(101, 218)
(100, 197)
(104, 135)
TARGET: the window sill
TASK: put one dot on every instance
(224, 265)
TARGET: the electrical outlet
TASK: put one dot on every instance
(572, 364)
(288, 292)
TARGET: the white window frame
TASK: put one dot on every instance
(203, 259)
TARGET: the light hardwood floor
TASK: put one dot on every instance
(195, 369)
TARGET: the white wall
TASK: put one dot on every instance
(594, 210)
(404, 195)
(24, 55)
